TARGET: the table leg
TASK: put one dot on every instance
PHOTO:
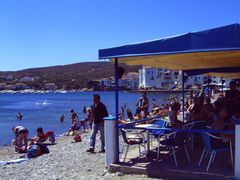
(231, 153)
(148, 143)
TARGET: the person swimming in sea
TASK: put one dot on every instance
(19, 116)
(62, 118)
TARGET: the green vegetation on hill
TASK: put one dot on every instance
(72, 76)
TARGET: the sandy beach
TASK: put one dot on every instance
(66, 160)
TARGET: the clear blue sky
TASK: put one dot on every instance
(36, 33)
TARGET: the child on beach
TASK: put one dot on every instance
(42, 137)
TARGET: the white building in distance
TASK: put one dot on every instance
(158, 78)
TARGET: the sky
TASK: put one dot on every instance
(39, 33)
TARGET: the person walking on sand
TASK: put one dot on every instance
(99, 111)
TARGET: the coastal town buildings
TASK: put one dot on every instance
(164, 79)
(128, 81)
(158, 78)
(196, 80)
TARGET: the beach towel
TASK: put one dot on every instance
(13, 161)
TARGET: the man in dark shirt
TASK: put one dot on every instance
(232, 94)
(99, 111)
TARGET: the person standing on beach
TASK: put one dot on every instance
(143, 105)
(99, 111)
(74, 119)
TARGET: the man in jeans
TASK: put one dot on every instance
(99, 111)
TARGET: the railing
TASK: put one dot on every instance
(131, 126)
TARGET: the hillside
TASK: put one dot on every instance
(72, 76)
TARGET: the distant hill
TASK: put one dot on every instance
(72, 76)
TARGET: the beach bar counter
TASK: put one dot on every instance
(214, 52)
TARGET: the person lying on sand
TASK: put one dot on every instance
(35, 150)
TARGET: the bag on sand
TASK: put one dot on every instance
(77, 138)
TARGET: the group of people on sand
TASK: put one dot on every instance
(34, 146)
(94, 118)
(78, 123)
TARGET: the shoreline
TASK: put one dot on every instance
(80, 91)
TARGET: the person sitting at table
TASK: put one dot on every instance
(208, 111)
(233, 94)
(191, 106)
(219, 124)
(174, 108)
(236, 113)
(196, 110)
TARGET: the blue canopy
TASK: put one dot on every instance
(196, 50)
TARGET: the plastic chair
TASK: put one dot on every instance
(173, 140)
(207, 137)
(158, 133)
(133, 140)
(195, 125)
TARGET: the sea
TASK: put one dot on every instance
(45, 109)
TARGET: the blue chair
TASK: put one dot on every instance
(158, 124)
(199, 125)
(158, 133)
(175, 140)
(207, 139)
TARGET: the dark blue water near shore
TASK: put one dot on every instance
(45, 109)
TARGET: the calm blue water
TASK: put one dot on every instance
(45, 109)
